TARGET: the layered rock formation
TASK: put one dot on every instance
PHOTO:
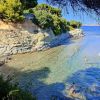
(21, 38)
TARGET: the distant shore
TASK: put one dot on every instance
(91, 25)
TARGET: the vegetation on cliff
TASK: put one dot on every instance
(45, 15)
(50, 17)
(75, 24)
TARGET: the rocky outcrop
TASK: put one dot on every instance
(22, 38)
(76, 33)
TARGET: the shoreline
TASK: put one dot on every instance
(91, 25)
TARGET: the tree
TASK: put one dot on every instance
(11, 10)
(49, 9)
(79, 5)
(29, 3)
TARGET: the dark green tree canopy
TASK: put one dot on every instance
(82, 5)
(49, 9)
(12, 10)
(29, 3)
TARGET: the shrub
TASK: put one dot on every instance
(75, 24)
(59, 25)
(21, 18)
(12, 92)
(43, 19)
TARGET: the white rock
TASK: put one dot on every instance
(76, 32)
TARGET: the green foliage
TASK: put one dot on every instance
(59, 25)
(11, 10)
(49, 17)
(75, 24)
(12, 92)
(70, 28)
(20, 18)
(42, 19)
(49, 9)
(29, 3)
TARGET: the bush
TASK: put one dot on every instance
(21, 18)
(75, 24)
(12, 92)
(59, 25)
(43, 19)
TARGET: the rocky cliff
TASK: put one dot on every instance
(27, 37)
(21, 38)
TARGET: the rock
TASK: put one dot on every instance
(9, 57)
(2, 62)
(76, 33)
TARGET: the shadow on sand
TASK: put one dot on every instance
(33, 81)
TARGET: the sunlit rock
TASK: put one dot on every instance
(76, 33)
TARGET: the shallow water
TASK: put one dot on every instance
(52, 72)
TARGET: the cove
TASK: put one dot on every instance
(51, 72)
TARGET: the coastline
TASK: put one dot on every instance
(90, 25)
(23, 39)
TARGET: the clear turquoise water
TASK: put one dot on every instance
(75, 61)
